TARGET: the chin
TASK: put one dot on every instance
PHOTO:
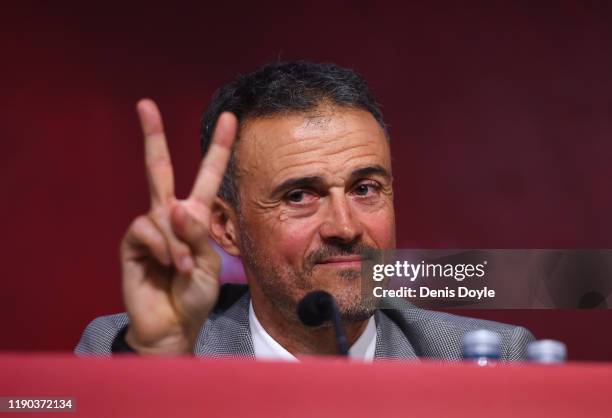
(345, 287)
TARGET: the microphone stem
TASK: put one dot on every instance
(340, 334)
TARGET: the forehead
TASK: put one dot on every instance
(330, 140)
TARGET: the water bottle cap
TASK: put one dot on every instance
(481, 343)
(547, 351)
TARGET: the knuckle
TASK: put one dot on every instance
(215, 168)
(139, 225)
(140, 221)
(179, 249)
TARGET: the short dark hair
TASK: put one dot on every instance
(283, 87)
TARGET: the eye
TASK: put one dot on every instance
(295, 196)
(300, 197)
(365, 189)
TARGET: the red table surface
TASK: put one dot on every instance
(190, 387)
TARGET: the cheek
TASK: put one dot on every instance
(289, 239)
(380, 227)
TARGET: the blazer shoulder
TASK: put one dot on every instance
(440, 334)
(99, 335)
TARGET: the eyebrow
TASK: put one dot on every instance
(371, 170)
(314, 181)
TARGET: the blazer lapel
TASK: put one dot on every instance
(391, 342)
(228, 333)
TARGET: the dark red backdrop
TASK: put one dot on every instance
(500, 117)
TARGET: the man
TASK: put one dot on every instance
(303, 194)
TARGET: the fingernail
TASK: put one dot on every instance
(186, 264)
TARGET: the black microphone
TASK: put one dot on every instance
(316, 308)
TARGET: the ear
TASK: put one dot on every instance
(223, 226)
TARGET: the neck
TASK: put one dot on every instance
(297, 338)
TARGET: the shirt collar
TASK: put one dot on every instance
(267, 348)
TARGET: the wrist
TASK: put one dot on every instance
(174, 344)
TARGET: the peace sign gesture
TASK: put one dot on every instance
(170, 270)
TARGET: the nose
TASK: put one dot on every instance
(341, 225)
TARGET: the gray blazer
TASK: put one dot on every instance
(406, 332)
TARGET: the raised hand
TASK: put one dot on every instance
(170, 269)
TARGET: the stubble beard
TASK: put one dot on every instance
(285, 287)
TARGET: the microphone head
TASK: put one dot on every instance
(315, 308)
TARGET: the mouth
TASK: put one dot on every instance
(345, 261)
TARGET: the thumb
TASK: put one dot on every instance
(190, 230)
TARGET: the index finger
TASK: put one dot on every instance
(213, 166)
(157, 156)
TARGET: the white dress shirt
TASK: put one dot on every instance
(267, 348)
